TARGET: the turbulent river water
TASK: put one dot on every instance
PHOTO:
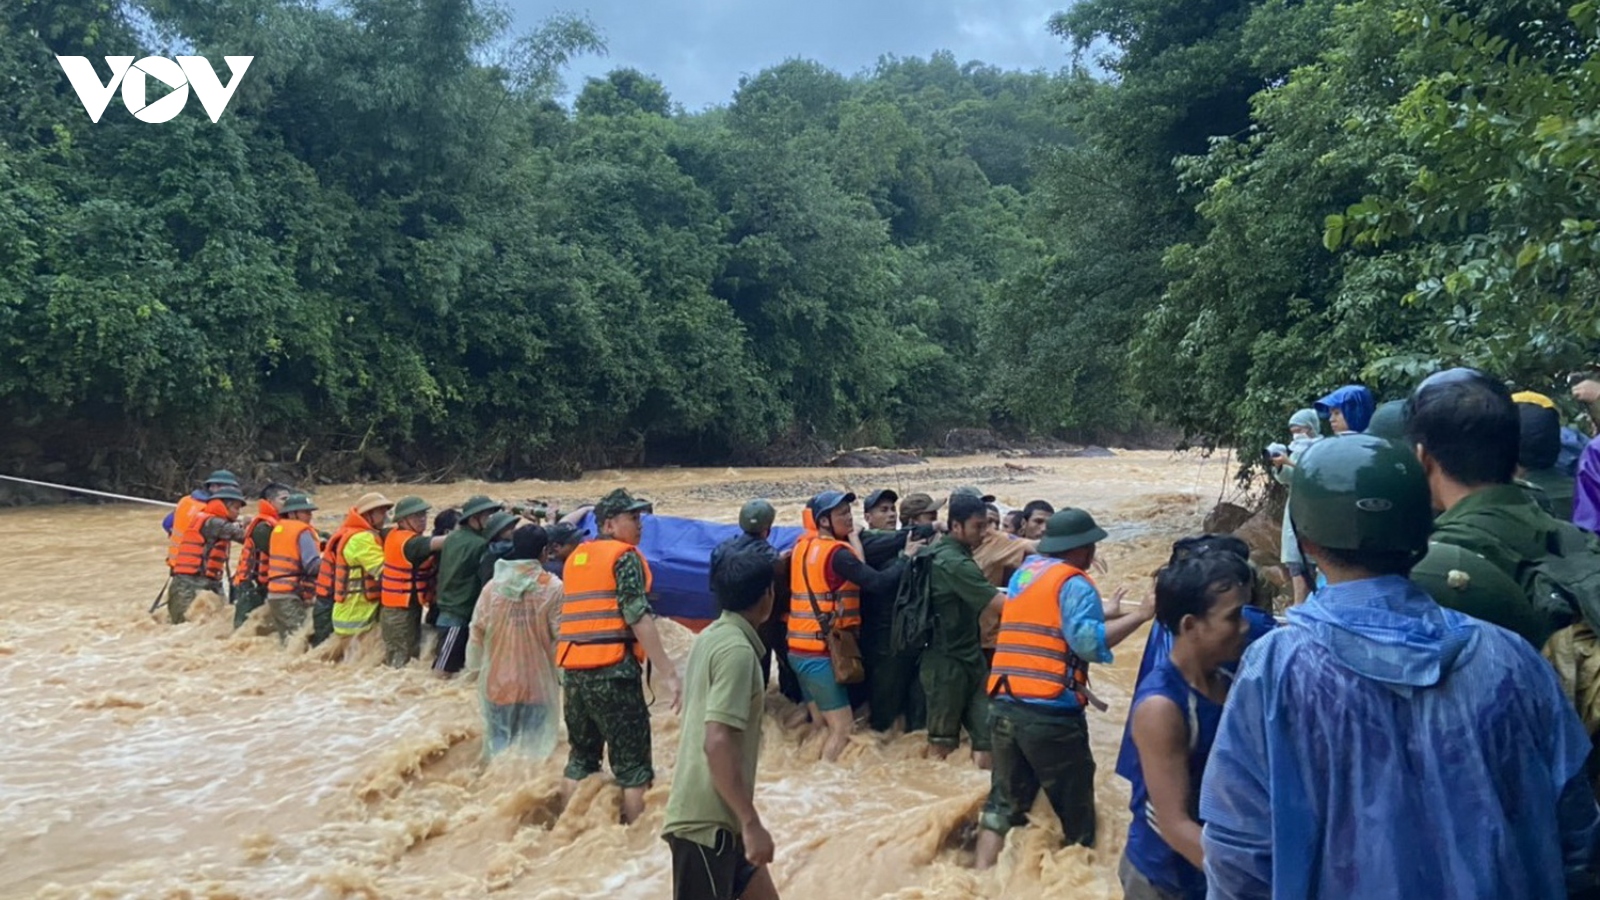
(139, 759)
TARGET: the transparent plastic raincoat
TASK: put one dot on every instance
(512, 652)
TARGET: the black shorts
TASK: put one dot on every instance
(709, 873)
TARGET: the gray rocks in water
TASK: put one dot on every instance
(1225, 518)
(874, 458)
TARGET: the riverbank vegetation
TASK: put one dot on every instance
(400, 253)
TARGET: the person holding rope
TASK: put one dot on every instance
(200, 557)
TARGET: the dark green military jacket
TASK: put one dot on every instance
(1503, 525)
(1558, 488)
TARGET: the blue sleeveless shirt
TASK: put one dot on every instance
(1147, 850)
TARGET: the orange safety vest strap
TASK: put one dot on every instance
(198, 555)
(403, 585)
(1032, 659)
(813, 613)
(593, 633)
(285, 572)
(181, 516)
(252, 558)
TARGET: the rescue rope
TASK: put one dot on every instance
(80, 490)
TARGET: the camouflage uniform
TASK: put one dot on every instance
(288, 615)
(180, 596)
(605, 708)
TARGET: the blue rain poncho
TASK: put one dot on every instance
(1383, 747)
(1356, 402)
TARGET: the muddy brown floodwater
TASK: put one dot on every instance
(142, 760)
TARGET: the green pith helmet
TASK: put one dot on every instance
(298, 503)
(1462, 580)
(1070, 529)
(227, 492)
(499, 522)
(1389, 421)
(478, 504)
(1360, 492)
(222, 476)
(756, 516)
(410, 506)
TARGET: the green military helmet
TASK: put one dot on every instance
(410, 506)
(1360, 492)
(222, 476)
(1459, 579)
(478, 504)
(499, 522)
(1070, 529)
(298, 503)
(756, 516)
(227, 492)
(1389, 421)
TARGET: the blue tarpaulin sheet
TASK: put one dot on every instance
(679, 551)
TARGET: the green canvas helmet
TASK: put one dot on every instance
(410, 506)
(227, 492)
(478, 503)
(1070, 529)
(1360, 492)
(497, 523)
(1389, 421)
(298, 503)
(1459, 579)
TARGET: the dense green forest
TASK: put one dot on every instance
(399, 251)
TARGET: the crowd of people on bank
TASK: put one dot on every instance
(1420, 723)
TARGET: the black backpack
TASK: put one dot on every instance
(913, 617)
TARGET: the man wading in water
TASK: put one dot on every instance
(720, 849)
(826, 574)
(607, 631)
(461, 581)
(292, 566)
(410, 578)
(201, 556)
(953, 667)
(1051, 628)
(250, 582)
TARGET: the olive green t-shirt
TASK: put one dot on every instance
(723, 685)
(960, 594)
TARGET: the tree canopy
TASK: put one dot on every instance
(397, 242)
(401, 245)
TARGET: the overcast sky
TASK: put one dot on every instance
(699, 48)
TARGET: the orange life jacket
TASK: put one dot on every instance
(811, 578)
(187, 507)
(333, 578)
(593, 633)
(285, 573)
(198, 556)
(1032, 660)
(253, 559)
(404, 585)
